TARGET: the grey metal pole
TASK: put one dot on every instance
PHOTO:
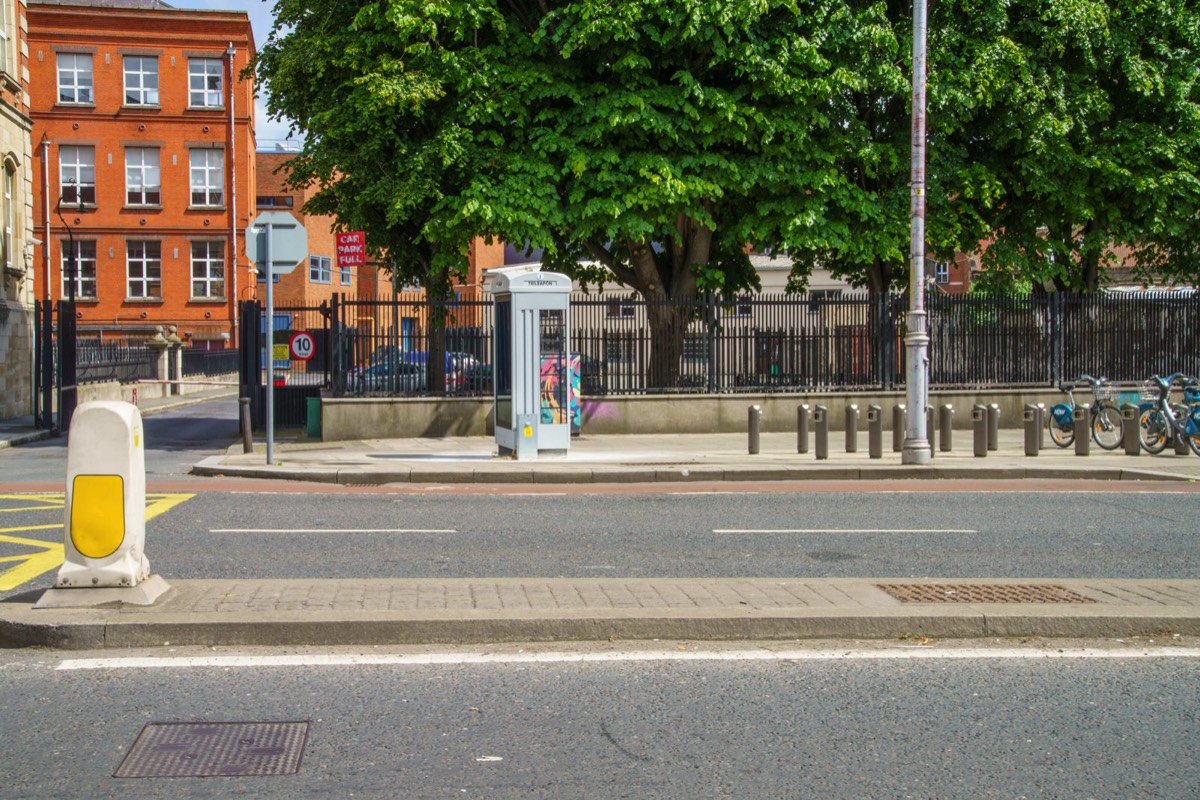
(946, 434)
(1131, 429)
(993, 427)
(875, 431)
(1033, 434)
(898, 427)
(821, 424)
(931, 428)
(852, 428)
(1081, 416)
(244, 416)
(917, 448)
(802, 414)
(270, 342)
(754, 414)
(979, 425)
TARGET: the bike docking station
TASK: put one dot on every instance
(104, 527)
(532, 374)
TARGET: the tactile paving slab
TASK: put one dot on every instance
(981, 593)
(207, 749)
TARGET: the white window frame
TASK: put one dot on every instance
(320, 269)
(143, 176)
(143, 269)
(202, 74)
(85, 262)
(621, 309)
(77, 174)
(141, 80)
(75, 78)
(4, 39)
(208, 269)
(345, 276)
(207, 170)
(941, 272)
(9, 178)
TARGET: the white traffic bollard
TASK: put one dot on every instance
(104, 532)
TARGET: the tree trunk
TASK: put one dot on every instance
(668, 324)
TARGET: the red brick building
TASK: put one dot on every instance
(144, 129)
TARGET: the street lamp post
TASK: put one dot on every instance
(916, 340)
(67, 389)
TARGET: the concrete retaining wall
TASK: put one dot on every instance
(137, 392)
(401, 418)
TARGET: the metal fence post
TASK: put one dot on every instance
(979, 425)
(898, 423)
(821, 424)
(802, 415)
(947, 425)
(852, 428)
(875, 431)
(1033, 426)
(993, 427)
(755, 416)
(1181, 448)
(1081, 415)
(1130, 429)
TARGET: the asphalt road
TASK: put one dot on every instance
(926, 728)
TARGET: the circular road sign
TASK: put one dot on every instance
(302, 346)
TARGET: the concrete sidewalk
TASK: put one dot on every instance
(675, 457)
(395, 612)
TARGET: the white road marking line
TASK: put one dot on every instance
(332, 530)
(459, 659)
(844, 530)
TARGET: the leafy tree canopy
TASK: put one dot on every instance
(1075, 128)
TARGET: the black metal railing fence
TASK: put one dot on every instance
(820, 341)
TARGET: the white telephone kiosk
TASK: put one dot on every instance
(531, 373)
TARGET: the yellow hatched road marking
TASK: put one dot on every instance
(50, 555)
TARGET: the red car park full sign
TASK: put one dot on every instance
(351, 249)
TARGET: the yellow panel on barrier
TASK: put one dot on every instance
(98, 514)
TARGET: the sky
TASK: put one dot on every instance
(262, 17)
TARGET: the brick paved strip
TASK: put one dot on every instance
(365, 612)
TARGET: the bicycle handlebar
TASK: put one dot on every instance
(1165, 384)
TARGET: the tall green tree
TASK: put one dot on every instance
(1077, 131)
(656, 140)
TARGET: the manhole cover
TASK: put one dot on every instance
(205, 749)
(981, 593)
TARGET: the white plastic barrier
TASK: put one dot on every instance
(105, 529)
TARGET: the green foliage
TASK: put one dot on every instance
(1078, 129)
(649, 142)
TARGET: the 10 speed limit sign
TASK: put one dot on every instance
(302, 346)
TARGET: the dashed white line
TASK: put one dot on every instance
(332, 530)
(844, 530)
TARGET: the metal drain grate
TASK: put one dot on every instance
(206, 749)
(981, 593)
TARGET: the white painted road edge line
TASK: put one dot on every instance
(332, 530)
(433, 659)
(844, 530)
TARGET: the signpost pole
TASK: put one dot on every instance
(270, 272)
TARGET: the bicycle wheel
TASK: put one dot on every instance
(1062, 429)
(1154, 429)
(1183, 429)
(1106, 427)
(1192, 426)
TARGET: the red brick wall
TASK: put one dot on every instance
(111, 126)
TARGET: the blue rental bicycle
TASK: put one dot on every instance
(1160, 421)
(1104, 416)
